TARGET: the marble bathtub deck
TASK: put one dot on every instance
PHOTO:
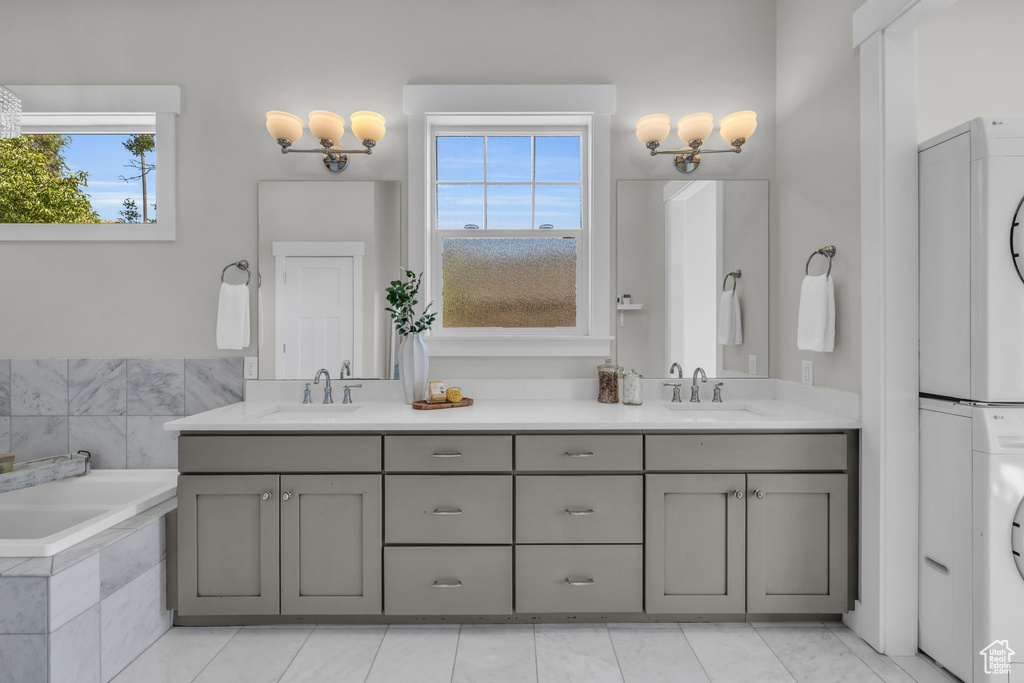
(591, 653)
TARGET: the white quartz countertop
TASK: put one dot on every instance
(514, 415)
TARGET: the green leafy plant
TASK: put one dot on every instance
(402, 297)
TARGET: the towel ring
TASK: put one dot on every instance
(241, 265)
(735, 275)
(828, 252)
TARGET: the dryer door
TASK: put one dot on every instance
(1017, 539)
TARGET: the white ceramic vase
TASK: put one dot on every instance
(413, 362)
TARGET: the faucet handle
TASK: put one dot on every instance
(347, 396)
(675, 391)
(717, 398)
(306, 398)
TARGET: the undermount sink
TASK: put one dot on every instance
(316, 412)
(717, 412)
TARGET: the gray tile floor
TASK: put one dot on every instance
(584, 653)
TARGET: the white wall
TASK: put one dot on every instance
(969, 61)
(236, 60)
(818, 189)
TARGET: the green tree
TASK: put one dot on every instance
(36, 185)
(130, 212)
(138, 145)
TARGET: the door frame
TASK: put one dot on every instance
(884, 32)
(284, 250)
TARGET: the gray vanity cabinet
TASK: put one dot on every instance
(330, 544)
(695, 543)
(228, 557)
(797, 543)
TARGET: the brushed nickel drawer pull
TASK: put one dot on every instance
(453, 454)
(579, 513)
(286, 496)
(448, 583)
(579, 455)
(579, 582)
(759, 494)
(266, 495)
(447, 511)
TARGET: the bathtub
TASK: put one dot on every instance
(43, 520)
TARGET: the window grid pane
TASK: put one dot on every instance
(567, 176)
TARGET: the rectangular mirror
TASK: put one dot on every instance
(327, 250)
(677, 241)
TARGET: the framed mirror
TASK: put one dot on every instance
(327, 250)
(677, 243)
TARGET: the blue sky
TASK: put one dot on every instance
(103, 157)
(509, 159)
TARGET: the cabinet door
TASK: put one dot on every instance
(228, 527)
(695, 543)
(330, 544)
(796, 543)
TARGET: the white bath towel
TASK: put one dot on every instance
(259, 317)
(816, 324)
(233, 317)
(730, 330)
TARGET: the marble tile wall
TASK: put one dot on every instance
(115, 408)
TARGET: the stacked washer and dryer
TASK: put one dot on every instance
(971, 550)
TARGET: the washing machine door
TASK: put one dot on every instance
(1017, 539)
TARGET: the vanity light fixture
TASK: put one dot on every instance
(694, 129)
(328, 128)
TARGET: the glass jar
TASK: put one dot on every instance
(632, 388)
(608, 382)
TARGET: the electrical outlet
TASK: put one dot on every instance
(250, 368)
(807, 372)
(751, 364)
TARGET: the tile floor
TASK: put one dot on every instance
(584, 653)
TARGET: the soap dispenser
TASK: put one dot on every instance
(632, 388)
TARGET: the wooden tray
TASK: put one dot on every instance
(426, 405)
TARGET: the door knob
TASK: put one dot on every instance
(287, 495)
(266, 495)
(738, 494)
(759, 494)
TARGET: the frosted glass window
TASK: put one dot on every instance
(458, 205)
(557, 206)
(510, 158)
(460, 158)
(508, 282)
(558, 159)
(509, 207)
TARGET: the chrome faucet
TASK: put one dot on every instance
(327, 384)
(676, 368)
(346, 369)
(675, 391)
(694, 389)
(347, 396)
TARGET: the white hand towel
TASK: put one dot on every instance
(259, 317)
(730, 329)
(233, 317)
(816, 324)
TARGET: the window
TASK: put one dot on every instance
(515, 247)
(510, 230)
(85, 167)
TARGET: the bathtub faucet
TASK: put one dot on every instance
(327, 384)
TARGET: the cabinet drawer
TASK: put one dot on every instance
(579, 452)
(745, 452)
(448, 580)
(279, 454)
(456, 453)
(579, 509)
(448, 509)
(579, 578)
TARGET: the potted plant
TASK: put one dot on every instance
(413, 360)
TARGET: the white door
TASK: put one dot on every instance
(318, 329)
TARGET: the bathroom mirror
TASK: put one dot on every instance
(676, 242)
(327, 250)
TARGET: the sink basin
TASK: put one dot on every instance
(717, 412)
(316, 412)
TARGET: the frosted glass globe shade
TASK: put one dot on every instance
(326, 124)
(284, 126)
(653, 127)
(741, 124)
(368, 125)
(696, 127)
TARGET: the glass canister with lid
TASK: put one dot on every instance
(608, 382)
(632, 388)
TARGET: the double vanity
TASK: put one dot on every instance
(514, 511)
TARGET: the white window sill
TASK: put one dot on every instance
(519, 346)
